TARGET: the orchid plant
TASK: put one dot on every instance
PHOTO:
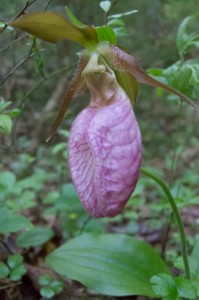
(105, 142)
(104, 147)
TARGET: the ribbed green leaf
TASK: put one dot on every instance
(112, 264)
(53, 27)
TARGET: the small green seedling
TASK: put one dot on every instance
(50, 286)
(13, 268)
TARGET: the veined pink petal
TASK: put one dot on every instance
(105, 156)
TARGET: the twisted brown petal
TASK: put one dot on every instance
(121, 61)
(75, 84)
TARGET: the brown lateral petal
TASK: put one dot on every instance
(122, 61)
(74, 87)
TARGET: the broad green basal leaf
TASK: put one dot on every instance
(53, 27)
(111, 264)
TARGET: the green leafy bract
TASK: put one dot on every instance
(110, 264)
(53, 27)
(129, 85)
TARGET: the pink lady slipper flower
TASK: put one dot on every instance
(105, 144)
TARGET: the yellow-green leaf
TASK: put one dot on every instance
(53, 27)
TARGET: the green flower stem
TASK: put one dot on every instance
(176, 213)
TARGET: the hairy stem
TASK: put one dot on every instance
(176, 213)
